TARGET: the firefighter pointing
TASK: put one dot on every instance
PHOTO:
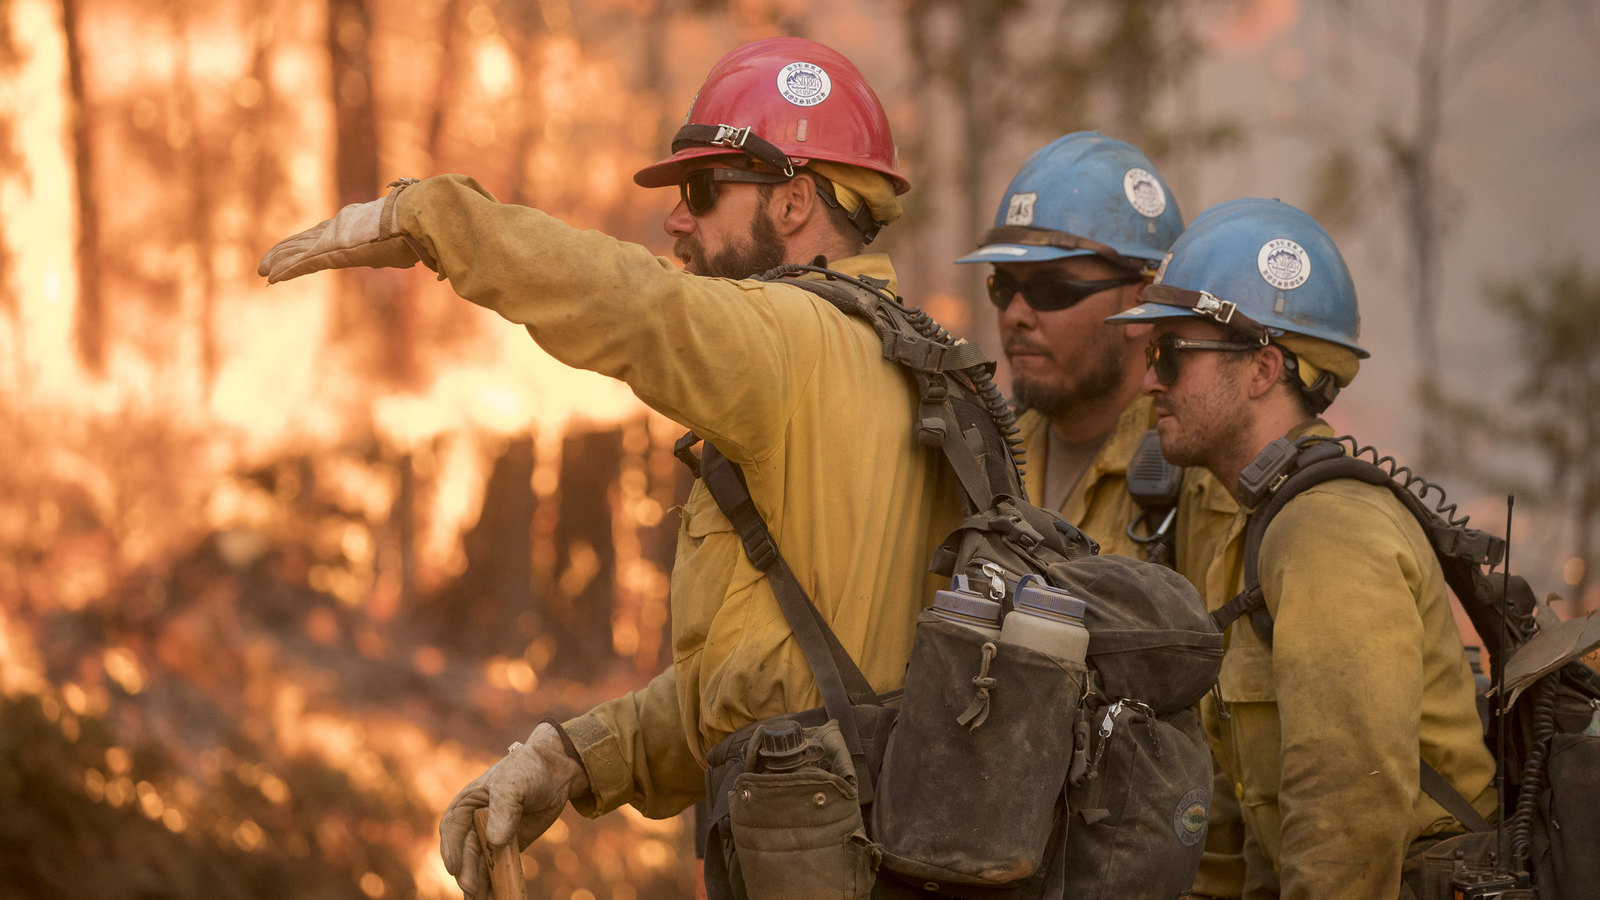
(786, 156)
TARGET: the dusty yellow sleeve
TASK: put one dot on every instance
(727, 358)
(1340, 578)
(635, 751)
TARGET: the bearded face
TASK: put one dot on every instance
(757, 249)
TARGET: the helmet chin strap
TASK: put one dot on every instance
(1319, 391)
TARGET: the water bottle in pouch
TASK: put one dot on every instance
(1048, 620)
(964, 606)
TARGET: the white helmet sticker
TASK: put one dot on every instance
(1019, 210)
(1283, 264)
(804, 84)
(1161, 271)
(1144, 193)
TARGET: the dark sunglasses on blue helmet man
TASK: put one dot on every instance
(1047, 292)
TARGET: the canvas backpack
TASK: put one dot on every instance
(1548, 753)
(1086, 781)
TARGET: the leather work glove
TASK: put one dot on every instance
(525, 793)
(362, 234)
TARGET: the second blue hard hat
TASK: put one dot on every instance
(1266, 260)
(1079, 191)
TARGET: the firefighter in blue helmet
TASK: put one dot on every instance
(1325, 720)
(1077, 237)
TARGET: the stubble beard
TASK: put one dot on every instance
(1209, 435)
(1055, 400)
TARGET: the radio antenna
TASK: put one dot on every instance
(1500, 693)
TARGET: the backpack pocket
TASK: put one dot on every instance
(800, 833)
(1573, 816)
(969, 790)
(1140, 805)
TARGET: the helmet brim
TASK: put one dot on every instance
(1015, 253)
(669, 172)
(1156, 312)
(1151, 312)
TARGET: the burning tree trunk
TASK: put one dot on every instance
(477, 613)
(90, 322)
(356, 151)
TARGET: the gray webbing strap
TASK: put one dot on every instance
(839, 680)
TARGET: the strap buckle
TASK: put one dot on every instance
(684, 451)
(1215, 307)
(758, 544)
(1221, 310)
(729, 136)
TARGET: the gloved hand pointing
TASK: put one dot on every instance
(525, 793)
(362, 234)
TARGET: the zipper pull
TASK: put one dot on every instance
(1107, 725)
(1110, 720)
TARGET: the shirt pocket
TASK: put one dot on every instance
(701, 515)
(1246, 673)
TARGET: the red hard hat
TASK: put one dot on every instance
(785, 102)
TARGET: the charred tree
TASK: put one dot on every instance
(89, 325)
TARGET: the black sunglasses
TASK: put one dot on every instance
(1046, 293)
(1162, 353)
(699, 187)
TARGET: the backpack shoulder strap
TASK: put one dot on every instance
(839, 680)
(1453, 801)
(1306, 470)
(960, 409)
(1282, 472)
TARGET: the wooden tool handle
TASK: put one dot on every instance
(505, 863)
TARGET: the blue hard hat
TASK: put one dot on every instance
(1083, 194)
(1261, 264)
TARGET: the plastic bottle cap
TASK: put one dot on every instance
(966, 603)
(783, 744)
(1050, 600)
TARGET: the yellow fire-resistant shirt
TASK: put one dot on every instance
(1101, 506)
(1366, 674)
(787, 386)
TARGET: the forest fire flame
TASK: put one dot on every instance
(282, 570)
